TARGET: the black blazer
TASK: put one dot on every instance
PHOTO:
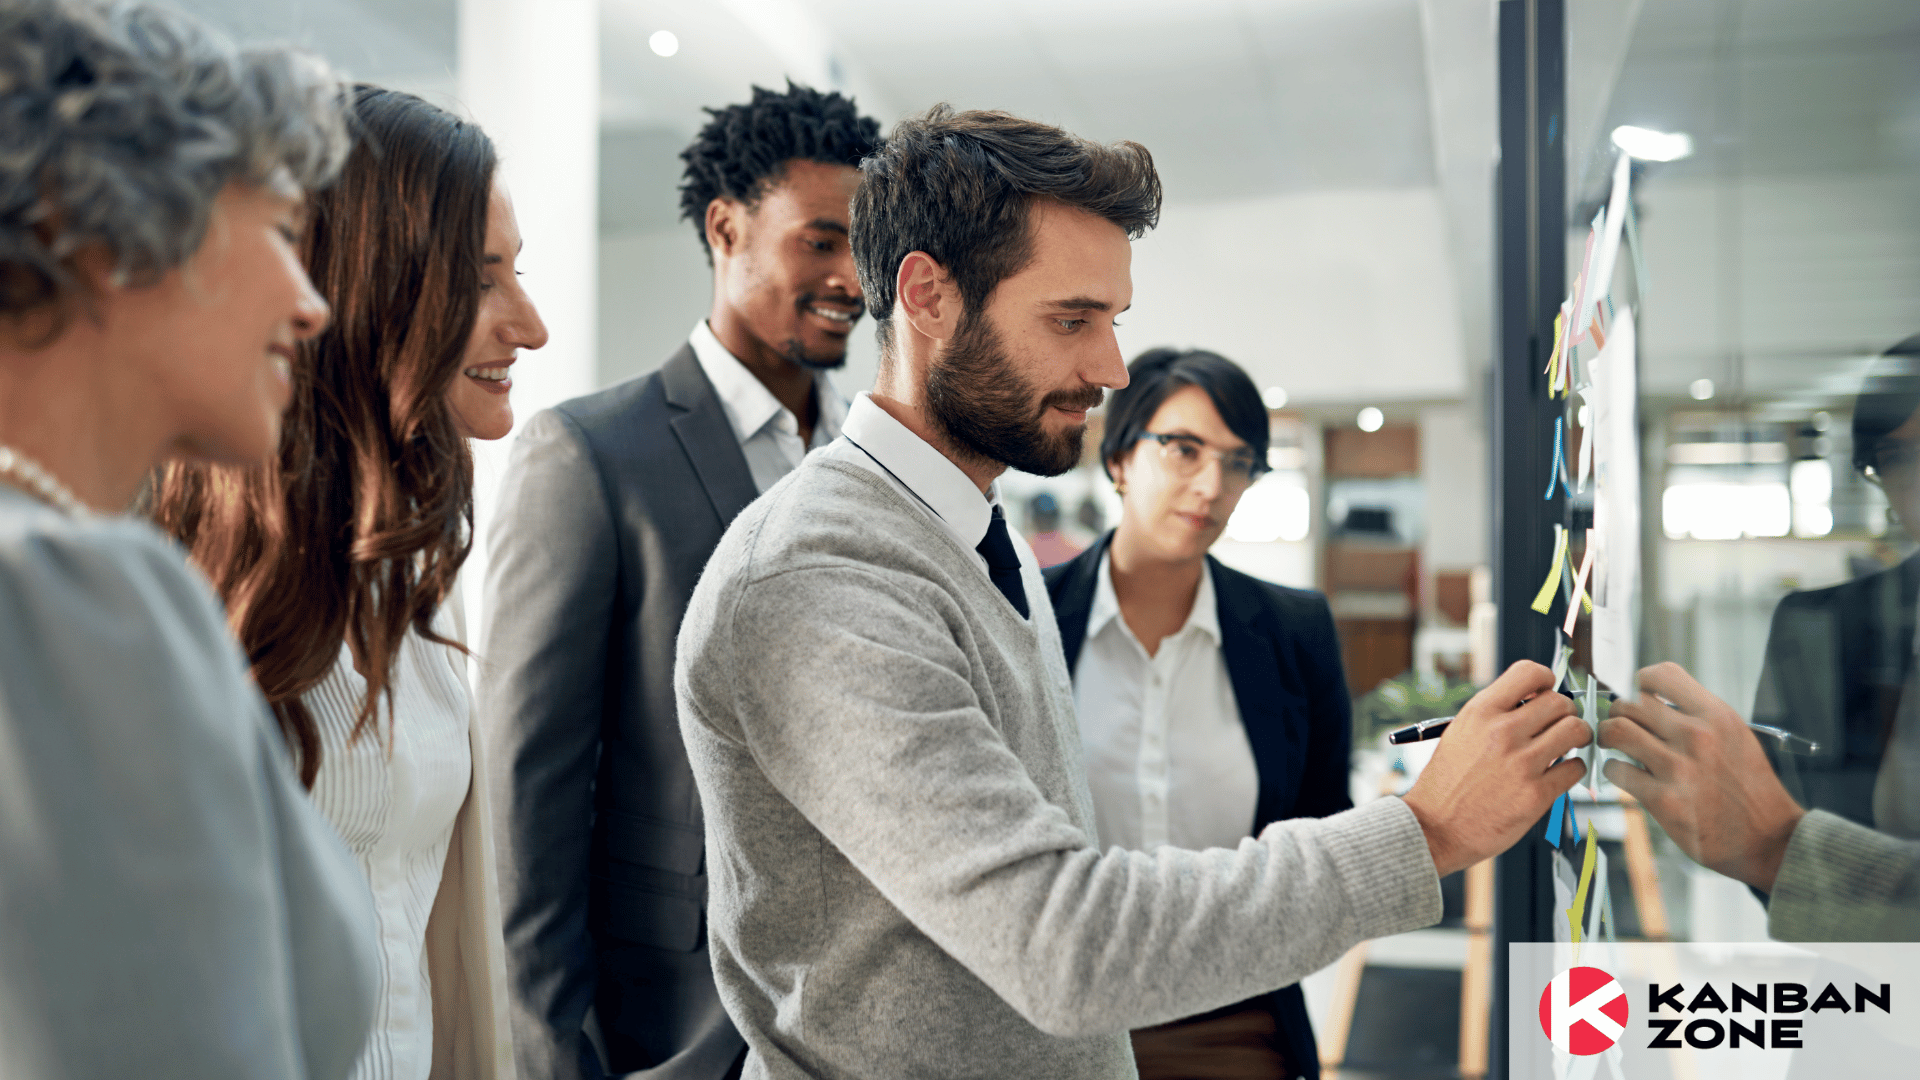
(1283, 659)
(608, 511)
(1837, 660)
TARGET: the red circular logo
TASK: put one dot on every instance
(1583, 1010)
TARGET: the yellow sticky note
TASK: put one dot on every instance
(1544, 601)
(1580, 894)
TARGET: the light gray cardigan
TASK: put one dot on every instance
(1841, 881)
(171, 904)
(903, 880)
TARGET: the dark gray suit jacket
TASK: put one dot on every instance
(609, 508)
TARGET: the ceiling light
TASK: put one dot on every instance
(1701, 389)
(1275, 397)
(663, 43)
(1650, 145)
(1370, 419)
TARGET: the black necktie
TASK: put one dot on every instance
(1003, 563)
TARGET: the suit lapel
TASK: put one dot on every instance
(701, 425)
(1249, 644)
(1072, 598)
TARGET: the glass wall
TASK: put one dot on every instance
(1772, 263)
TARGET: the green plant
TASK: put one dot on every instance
(1408, 699)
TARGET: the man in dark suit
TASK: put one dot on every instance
(1839, 660)
(609, 509)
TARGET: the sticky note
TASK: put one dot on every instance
(1560, 460)
(1560, 665)
(1543, 601)
(1580, 585)
(1555, 819)
(1580, 893)
(1640, 282)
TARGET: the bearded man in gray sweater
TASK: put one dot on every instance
(903, 874)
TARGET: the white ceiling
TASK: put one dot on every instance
(1790, 236)
(1788, 246)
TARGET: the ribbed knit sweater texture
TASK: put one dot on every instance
(903, 877)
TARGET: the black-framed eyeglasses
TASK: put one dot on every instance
(1184, 455)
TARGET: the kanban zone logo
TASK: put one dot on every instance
(1584, 1010)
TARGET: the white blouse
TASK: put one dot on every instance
(396, 812)
(1168, 762)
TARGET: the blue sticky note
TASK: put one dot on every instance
(1553, 820)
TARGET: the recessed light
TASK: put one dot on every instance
(1275, 397)
(1650, 145)
(1370, 419)
(663, 43)
(1701, 389)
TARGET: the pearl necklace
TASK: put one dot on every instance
(35, 480)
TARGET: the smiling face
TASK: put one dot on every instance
(506, 323)
(783, 272)
(1163, 514)
(216, 337)
(1015, 383)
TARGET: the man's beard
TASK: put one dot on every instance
(989, 412)
(796, 354)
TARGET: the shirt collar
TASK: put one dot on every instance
(1205, 616)
(749, 405)
(925, 471)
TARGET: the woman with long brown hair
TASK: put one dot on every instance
(337, 559)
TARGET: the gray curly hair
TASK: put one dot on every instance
(121, 122)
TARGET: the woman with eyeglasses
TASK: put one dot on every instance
(1210, 702)
(171, 904)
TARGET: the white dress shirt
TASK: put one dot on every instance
(1167, 757)
(877, 442)
(768, 431)
(393, 794)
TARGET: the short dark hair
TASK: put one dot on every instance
(960, 186)
(1153, 377)
(1889, 399)
(744, 149)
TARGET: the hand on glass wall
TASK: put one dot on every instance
(1498, 768)
(1703, 776)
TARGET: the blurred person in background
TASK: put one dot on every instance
(610, 507)
(1210, 703)
(1839, 671)
(1050, 547)
(171, 903)
(337, 559)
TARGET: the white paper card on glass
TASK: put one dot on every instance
(1616, 509)
(1601, 283)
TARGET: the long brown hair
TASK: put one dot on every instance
(354, 531)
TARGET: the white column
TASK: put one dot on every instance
(530, 75)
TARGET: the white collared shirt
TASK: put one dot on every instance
(877, 442)
(1167, 757)
(768, 431)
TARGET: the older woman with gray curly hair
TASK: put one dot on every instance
(171, 904)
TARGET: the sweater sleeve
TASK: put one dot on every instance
(151, 833)
(1841, 881)
(858, 706)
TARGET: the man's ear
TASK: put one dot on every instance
(926, 297)
(723, 225)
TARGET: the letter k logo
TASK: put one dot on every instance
(1583, 1010)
